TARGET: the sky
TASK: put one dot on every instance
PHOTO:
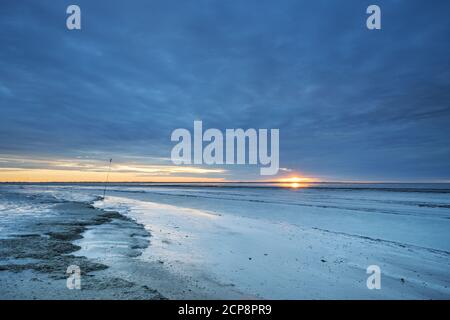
(351, 104)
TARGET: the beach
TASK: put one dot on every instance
(225, 241)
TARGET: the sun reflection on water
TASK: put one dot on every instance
(294, 182)
(294, 185)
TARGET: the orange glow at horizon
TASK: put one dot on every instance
(296, 179)
(46, 175)
(295, 182)
(91, 170)
(16, 169)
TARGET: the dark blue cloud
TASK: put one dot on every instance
(350, 103)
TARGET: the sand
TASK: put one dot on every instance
(34, 264)
(206, 243)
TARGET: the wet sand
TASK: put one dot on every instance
(132, 245)
(33, 265)
(107, 246)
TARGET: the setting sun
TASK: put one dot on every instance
(296, 179)
(295, 182)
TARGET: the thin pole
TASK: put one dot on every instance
(107, 178)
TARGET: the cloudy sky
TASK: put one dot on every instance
(351, 104)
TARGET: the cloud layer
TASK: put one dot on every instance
(350, 103)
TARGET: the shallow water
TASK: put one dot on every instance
(278, 242)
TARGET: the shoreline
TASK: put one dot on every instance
(158, 245)
(34, 264)
(277, 260)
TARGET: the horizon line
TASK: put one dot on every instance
(219, 182)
